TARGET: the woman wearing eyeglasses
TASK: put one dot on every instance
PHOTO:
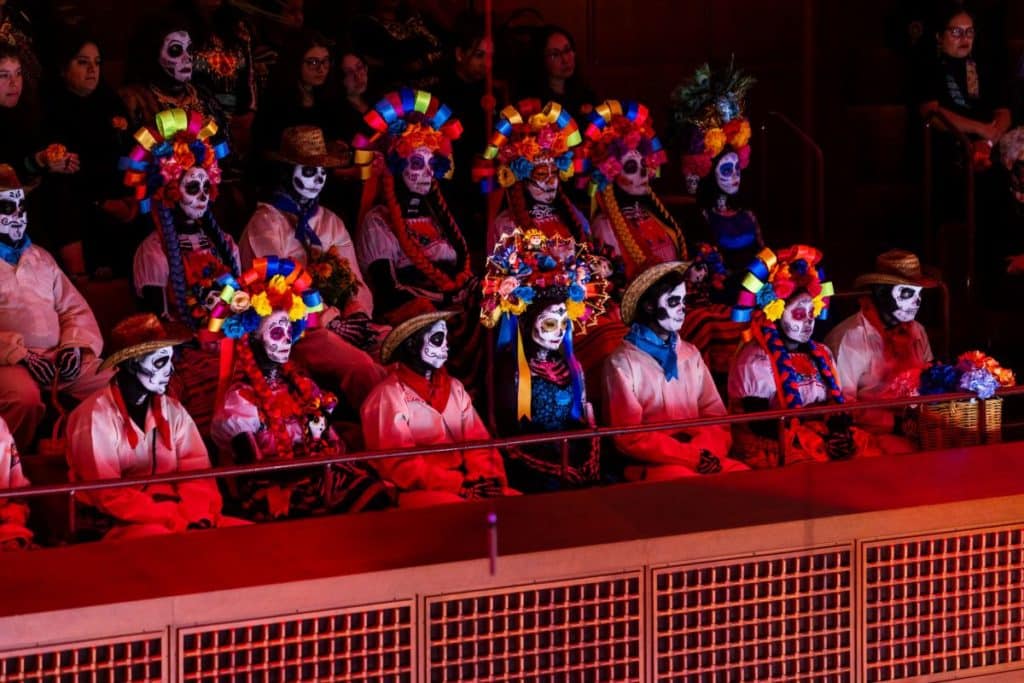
(554, 75)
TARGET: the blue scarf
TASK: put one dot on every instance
(13, 254)
(660, 350)
(303, 232)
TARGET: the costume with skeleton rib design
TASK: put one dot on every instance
(13, 514)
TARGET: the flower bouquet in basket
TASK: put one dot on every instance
(332, 276)
(955, 423)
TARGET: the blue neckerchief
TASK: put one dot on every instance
(303, 232)
(13, 254)
(660, 350)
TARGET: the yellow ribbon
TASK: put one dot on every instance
(616, 107)
(769, 258)
(208, 130)
(827, 290)
(524, 398)
(752, 283)
(215, 324)
(604, 111)
(552, 111)
(512, 114)
(145, 138)
(171, 121)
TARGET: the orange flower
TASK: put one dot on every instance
(119, 123)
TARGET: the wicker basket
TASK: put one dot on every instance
(955, 423)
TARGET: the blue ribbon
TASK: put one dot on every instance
(442, 115)
(386, 111)
(741, 315)
(575, 375)
(408, 98)
(507, 330)
(760, 269)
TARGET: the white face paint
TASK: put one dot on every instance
(634, 178)
(550, 326)
(727, 173)
(176, 56)
(154, 370)
(908, 302)
(434, 351)
(543, 182)
(671, 313)
(418, 175)
(317, 427)
(13, 216)
(275, 334)
(797, 320)
(195, 188)
(308, 181)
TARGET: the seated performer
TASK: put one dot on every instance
(410, 247)
(530, 153)
(654, 376)
(14, 535)
(294, 225)
(49, 339)
(418, 404)
(881, 350)
(276, 412)
(132, 428)
(538, 289)
(624, 153)
(781, 367)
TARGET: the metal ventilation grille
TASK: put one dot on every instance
(583, 630)
(368, 644)
(778, 618)
(136, 659)
(941, 604)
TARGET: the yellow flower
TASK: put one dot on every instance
(517, 308)
(566, 174)
(262, 305)
(240, 302)
(277, 285)
(818, 303)
(298, 309)
(742, 136)
(773, 311)
(575, 309)
(714, 141)
(506, 178)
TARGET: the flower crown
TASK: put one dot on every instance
(403, 121)
(524, 136)
(178, 141)
(707, 256)
(615, 128)
(773, 278)
(272, 284)
(527, 265)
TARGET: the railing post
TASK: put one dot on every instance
(782, 442)
(565, 459)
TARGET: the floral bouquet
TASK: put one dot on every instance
(332, 276)
(973, 371)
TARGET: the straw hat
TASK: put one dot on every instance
(642, 283)
(899, 267)
(9, 180)
(138, 335)
(304, 146)
(405, 330)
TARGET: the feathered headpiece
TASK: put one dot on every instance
(525, 135)
(615, 128)
(773, 278)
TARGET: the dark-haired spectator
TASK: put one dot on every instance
(16, 30)
(401, 50)
(554, 76)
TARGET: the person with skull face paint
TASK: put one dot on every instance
(624, 153)
(654, 376)
(411, 247)
(132, 427)
(175, 172)
(294, 225)
(881, 350)
(540, 293)
(275, 411)
(418, 404)
(14, 535)
(782, 367)
(49, 339)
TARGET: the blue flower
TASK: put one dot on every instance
(163, 149)
(234, 327)
(599, 179)
(980, 381)
(524, 294)
(939, 379)
(396, 127)
(440, 164)
(576, 293)
(564, 162)
(250, 320)
(522, 168)
(546, 262)
(765, 296)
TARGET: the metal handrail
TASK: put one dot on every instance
(562, 437)
(819, 164)
(965, 145)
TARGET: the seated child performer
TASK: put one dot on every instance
(132, 428)
(654, 376)
(14, 534)
(275, 411)
(881, 349)
(418, 404)
(49, 339)
(293, 224)
(782, 367)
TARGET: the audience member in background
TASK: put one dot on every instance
(344, 196)
(401, 50)
(553, 75)
(49, 340)
(86, 212)
(14, 535)
(16, 31)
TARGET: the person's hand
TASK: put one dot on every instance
(200, 524)
(69, 362)
(839, 443)
(355, 329)
(1015, 264)
(40, 367)
(708, 463)
(57, 159)
(481, 488)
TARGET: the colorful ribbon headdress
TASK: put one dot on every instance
(178, 140)
(773, 278)
(613, 129)
(524, 135)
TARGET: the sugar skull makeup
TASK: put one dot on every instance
(434, 349)
(275, 335)
(634, 178)
(418, 174)
(195, 187)
(308, 181)
(550, 326)
(13, 216)
(176, 56)
(543, 182)
(727, 173)
(671, 313)
(797, 321)
(154, 370)
(908, 302)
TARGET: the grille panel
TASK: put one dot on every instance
(778, 618)
(137, 659)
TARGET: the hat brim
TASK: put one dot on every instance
(137, 350)
(643, 282)
(929, 279)
(323, 160)
(406, 329)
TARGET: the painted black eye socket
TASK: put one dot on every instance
(631, 166)
(417, 163)
(309, 171)
(193, 187)
(437, 339)
(907, 293)
(176, 50)
(674, 301)
(9, 207)
(161, 362)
